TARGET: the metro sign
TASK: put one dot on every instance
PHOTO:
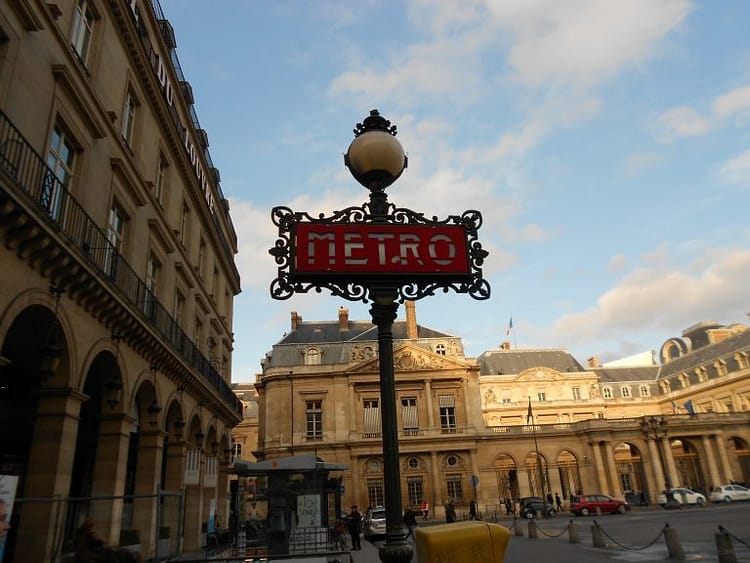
(352, 250)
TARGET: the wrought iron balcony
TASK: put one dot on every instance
(50, 229)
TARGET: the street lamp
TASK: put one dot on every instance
(655, 428)
(376, 159)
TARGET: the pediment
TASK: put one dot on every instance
(540, 373)
(410, 358)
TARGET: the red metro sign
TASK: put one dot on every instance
(379, 250)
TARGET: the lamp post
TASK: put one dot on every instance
(383, 254)
(376, 159)
(655, 428)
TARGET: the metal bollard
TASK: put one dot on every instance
(596, 535)
(573, 533)
(532, 529)
(673, 544)
(517, 527)
(724, 547)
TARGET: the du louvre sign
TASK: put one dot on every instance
(352, 250)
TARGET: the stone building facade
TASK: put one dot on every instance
(464, 426)
(118, 281)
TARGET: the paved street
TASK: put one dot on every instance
(695, 528)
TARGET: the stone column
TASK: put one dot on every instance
(52, 451)
(601, 475)
(524, 487)
(437, 498)
(474, 472)
(713, 471)
(148, 475)
(554, 478)
(110, 468)
(658, 470)
(355, 498)
(194, 516)
(428, 398)
(614, 478)
(354, 414)
(726, 466)
(671, 467)
(172, 507)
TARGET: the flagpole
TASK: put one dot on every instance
(538, 458)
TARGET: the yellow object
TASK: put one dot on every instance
(462, 542)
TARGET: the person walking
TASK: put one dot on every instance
(355, 527)
(410, 520)
(425, 508)
(450, 512)
(473, 510)
(558, 502)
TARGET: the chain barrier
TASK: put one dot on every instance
(723, 530)
(630, 548)
(565, 529)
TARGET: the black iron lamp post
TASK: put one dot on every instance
(375, 159)
(386, 255)
(656, 428)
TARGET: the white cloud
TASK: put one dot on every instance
(732, 102)
(714, 286)
(736, 171)
(679, 122)
(582, 42)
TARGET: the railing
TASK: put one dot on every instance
(63, 212)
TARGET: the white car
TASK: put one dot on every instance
(683, 496)
(729, 493)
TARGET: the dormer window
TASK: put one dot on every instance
(607, 392)
(312, 357)
(440, 349)
(643, 390)
(625, 391)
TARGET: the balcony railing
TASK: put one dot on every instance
(89, 243)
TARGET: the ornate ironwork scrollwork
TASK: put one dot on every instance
(283, 287)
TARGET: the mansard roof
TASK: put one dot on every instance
(315, 332)
(707, 354)
(626, 373)
(499, 361)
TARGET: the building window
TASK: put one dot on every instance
(415, 490)
(115, 232)
(312, 357)
(161, 179)
(451, 460)
(83, 27)
(128, 118)
(410, 416)
(643, 390)
(454, 486)
(152, 279)
(198, 333)
(236, 452)
(60, 159)
(215, 285)
(742, 360)
(721, 367)
(179, 307)
(314, 416)
(440, 349)
(447, 405)
(541, 396)
(625, 391)
(413, 463)
(372, 418)
(202, 258)
(375, 492)
(505, 394)
(576, 393)
(184, 224)
(607, 392)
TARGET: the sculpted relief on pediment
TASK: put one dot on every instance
(405, 359)
(539, 374)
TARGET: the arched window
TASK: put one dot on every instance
(625, 391)
(644, 391)
(607, 392)
(312, 357)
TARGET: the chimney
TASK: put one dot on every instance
(411, 320)
(594, 362)
(505, 345)
(343, 318)
(296, 319)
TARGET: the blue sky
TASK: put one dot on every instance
(606, 143)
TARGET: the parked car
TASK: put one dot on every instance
(729, 493)
(531, 506)
(683, 495)
(583, 505)
(374, 523)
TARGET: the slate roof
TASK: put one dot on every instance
(629, 373)
(498, 362)
(707, 354)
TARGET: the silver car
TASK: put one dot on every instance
(374, 524)
(683, 495)
(729, 493)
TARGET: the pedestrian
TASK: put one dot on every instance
(425, 508)
(450, 512)
(355, 527)
(473, 510)
(508, 506)
(550, 499)
(410, 520)
(558, 502)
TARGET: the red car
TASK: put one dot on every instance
(583, 505)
